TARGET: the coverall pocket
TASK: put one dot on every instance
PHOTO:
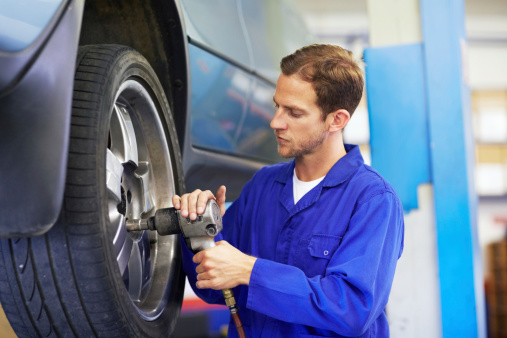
(314, 254)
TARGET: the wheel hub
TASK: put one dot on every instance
(139, 180)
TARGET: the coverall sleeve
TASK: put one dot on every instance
(355, 287)
(230, 233)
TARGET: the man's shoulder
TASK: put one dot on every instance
(370, 183)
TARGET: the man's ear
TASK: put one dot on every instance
(337, 120)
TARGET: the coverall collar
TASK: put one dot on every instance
(338, 174)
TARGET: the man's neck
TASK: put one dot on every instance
(316, 165)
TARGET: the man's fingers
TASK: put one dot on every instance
(197, 258)
(176, 201)
(204, 284)
(194, 203)
(184, 205)
(207, 283)
(221, 198)
(192, 200)
(202, 200)
(221, 194)
(205, 276)
(188, 204)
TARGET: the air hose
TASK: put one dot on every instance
(233, 308)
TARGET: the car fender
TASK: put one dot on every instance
(34, 126)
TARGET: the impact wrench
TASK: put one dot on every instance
(199, 235)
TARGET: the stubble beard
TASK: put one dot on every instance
(306, 147)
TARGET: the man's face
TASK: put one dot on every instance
(298, 124)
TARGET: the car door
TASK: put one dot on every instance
(221, 85)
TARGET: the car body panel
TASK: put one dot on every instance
(219, 26)
(24, 21)
(34, 128)
(17, 49)
(254, 33)
(274, 29)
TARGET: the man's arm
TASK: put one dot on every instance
(220, 267)
(223, 267)
(208, 295)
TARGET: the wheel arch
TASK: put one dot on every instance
(156, 30)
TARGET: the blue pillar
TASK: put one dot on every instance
(452, 166)
(420, 125)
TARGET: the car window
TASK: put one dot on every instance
(256, 138)
(216, 24)
(230, 110)
(219, 99)
(275, 29)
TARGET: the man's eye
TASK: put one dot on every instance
(275, 105)
(294, 114)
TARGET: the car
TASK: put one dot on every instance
(107, 109)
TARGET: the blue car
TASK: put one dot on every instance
(107, 109)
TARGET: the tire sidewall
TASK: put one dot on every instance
(131, 65)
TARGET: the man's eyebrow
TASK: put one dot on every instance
(291, 107)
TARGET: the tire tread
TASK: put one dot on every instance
(57, 284)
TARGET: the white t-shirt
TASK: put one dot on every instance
(301, 188)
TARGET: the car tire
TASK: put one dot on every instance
(88, 276)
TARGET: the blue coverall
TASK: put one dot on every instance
(326, 264)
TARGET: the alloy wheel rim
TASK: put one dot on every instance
(139, 181)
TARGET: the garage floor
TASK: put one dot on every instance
(5, 328)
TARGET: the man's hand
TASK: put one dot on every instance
(223, 267)
(193, 204)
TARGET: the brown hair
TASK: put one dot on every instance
(333, 72)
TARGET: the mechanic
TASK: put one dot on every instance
(310, 246)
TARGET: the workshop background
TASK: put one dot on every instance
(452, 277)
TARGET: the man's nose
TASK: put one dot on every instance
(278, 122)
